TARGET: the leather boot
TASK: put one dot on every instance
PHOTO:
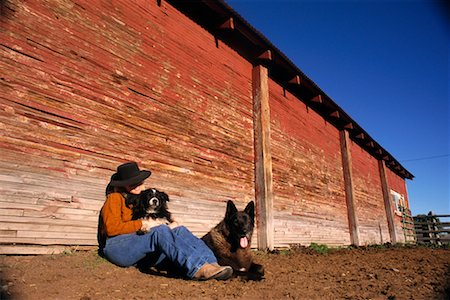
(213, 271)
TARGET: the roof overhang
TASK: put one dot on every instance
(227, 25)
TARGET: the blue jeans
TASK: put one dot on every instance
(179, 246)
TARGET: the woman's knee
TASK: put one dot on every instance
(180, 229)
(161, 230)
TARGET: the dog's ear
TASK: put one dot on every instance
(231, 209)
(131, 200)
(250, 209)
(164, 197)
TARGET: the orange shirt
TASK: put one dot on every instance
(116, 216)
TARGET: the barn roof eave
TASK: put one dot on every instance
(227, 25)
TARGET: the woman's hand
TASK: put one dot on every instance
(150, 223)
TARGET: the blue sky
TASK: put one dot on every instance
(386, 63)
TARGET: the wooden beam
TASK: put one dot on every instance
(370, 144)
(263, 158)
(388, 205)
(360, 136)
(296, 80)
(228, 24)
(353, 224)
(335, 114)
(317, 99)
(266, 55)
(349, 126)
(379, 152)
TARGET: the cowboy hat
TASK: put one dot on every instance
(128, 174)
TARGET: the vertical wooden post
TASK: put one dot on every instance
(263, 157)
(349, 190)
(387, 202)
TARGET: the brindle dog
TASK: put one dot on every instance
(230, 241)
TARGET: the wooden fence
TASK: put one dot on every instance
(431, 228)
(408, 228)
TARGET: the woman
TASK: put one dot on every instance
(162, 243)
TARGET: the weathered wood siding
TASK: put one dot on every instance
(309, 199)
(87, 85)
(370, 210)
(398, 185)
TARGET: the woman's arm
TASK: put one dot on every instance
(117, 218)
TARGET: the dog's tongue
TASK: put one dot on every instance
(243, 242)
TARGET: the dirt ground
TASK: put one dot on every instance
(302, 273)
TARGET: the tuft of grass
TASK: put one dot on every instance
(404, 246)
(68, 252)
(285, 252)
(94, 261)
(315, 248)
(320, 248)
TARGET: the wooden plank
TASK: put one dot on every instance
(263, 158)
(61, 216)
(433, 231)
(388, 205)
(7, 207)
(11, 212)
(434, 223)
(433, 216)
(8, 233)
(40, 250)
(44, 227)
(443, 238)
(48, 241)
(57, 235)
(49, 221)
(353, 223)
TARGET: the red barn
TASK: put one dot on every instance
(193, 92)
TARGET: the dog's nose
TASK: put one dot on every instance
(154, 201)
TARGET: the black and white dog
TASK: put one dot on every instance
(149, 204)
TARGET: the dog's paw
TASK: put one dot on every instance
(256, 268)
(256, 271)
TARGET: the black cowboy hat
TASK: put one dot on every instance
(128, 174)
